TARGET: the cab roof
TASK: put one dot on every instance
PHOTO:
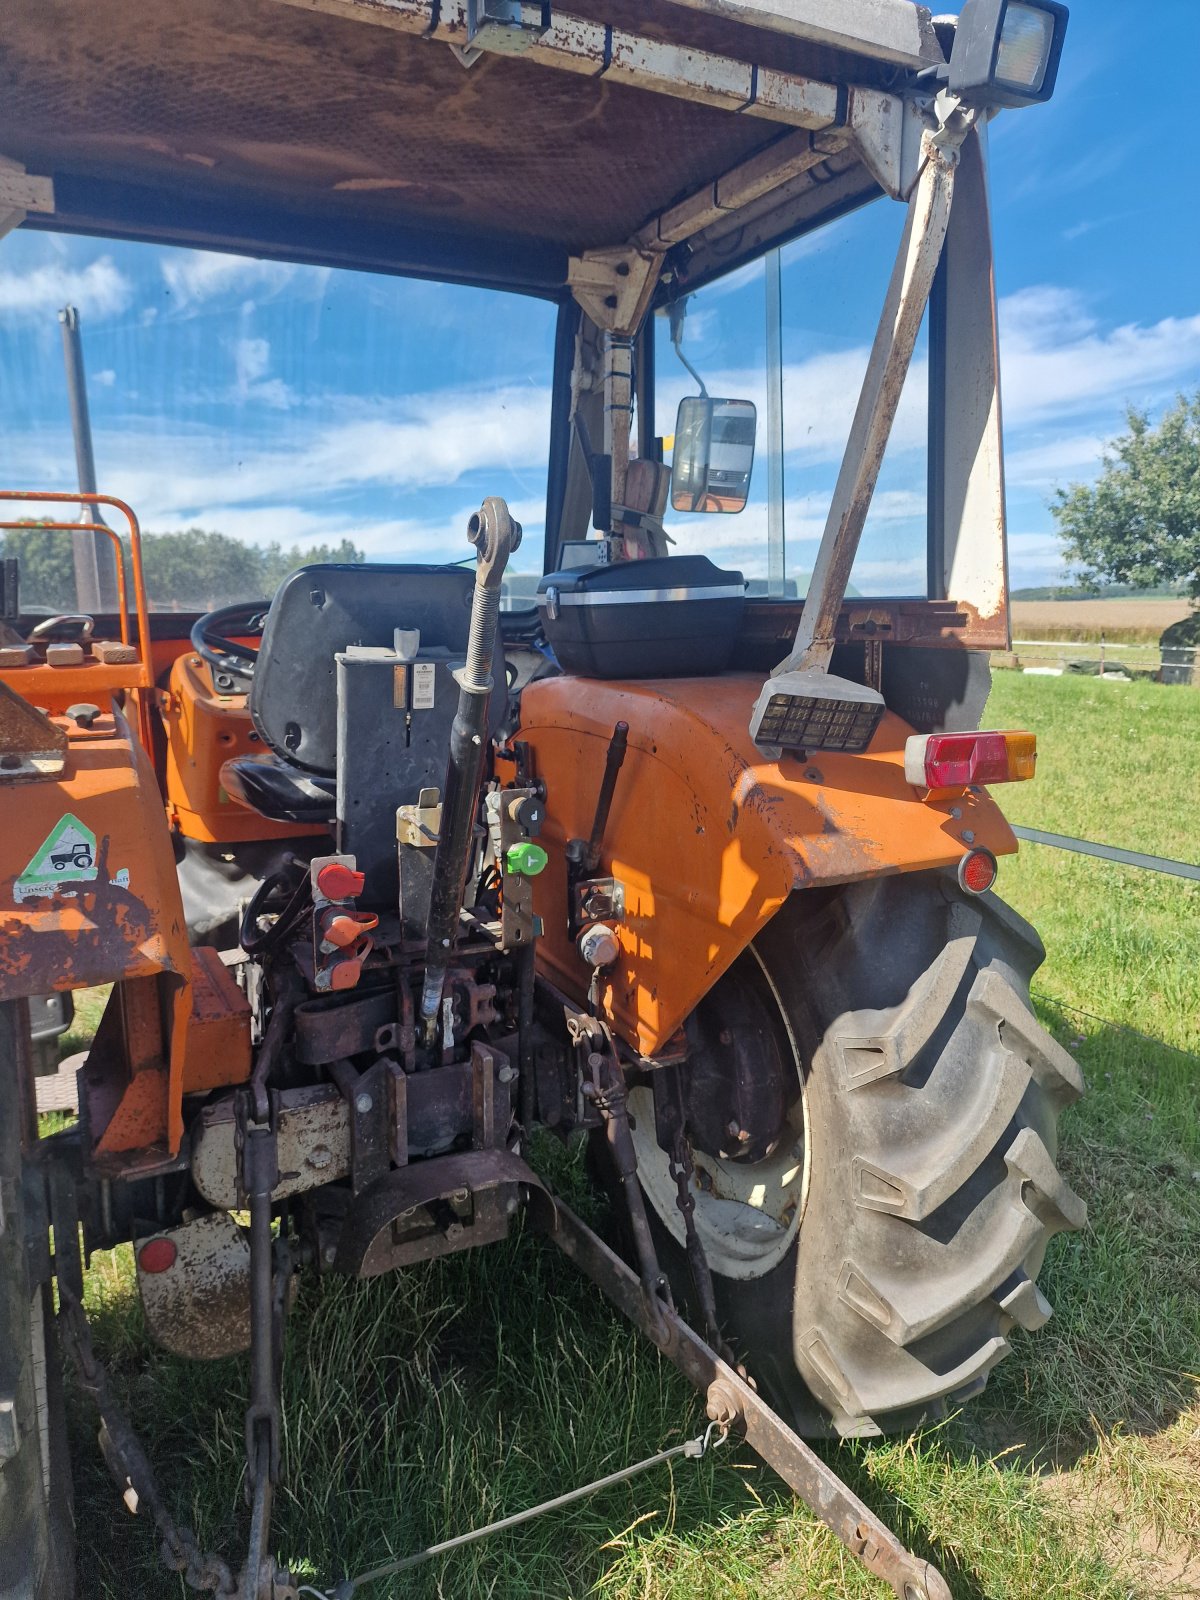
(350, 132)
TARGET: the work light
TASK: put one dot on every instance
(812, 710)
(1006, 52)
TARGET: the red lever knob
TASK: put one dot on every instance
(339, 882)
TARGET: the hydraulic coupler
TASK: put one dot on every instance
(495, 536)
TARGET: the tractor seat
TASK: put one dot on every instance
(279, 790)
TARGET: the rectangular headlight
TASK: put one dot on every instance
(1006, 52)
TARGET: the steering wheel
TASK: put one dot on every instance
(211, 641)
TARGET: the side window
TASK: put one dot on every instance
(831, 290)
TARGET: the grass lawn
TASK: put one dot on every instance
(422, 1405)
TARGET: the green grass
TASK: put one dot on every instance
(424, 1404)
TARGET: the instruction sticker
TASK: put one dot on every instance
(424, 679)
(67, 856)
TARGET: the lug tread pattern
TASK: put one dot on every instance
(939, 1188)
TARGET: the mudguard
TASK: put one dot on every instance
(708, 837)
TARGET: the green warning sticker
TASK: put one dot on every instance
(67, 856)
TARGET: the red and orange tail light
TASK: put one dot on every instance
(957, 760)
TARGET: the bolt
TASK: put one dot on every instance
(956, 812)
(512, 1204)
(733, 1129)
(507, 1074)
(329, 1255)
(968, 836)
(726, 1036)
(319, 1156)
(363, 1103)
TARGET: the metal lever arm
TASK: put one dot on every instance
(733, 1403)
(495, 536)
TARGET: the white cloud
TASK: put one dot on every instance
(105, 379)
(1056, 360)
(1036, 558)
(193, 276)
(312, 463)
(99, 290)
(252, 362)
(1057, 461)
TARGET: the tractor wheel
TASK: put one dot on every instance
(37, 1528)
(875, 1175)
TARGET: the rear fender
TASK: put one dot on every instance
(708, 837)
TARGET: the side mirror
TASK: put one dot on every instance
(714, 454)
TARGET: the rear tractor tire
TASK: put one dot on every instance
(871, 1256)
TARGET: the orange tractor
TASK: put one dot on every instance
(385, 876)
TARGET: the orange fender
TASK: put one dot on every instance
(709, 837)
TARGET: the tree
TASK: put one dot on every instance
(278, 562)
(194, 570)
(47, 567)
(1139, 523)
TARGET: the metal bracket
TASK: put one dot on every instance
(20, 193)
(31, 746)
(614, 286)
(596, 900)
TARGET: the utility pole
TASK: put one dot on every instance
(95, 557)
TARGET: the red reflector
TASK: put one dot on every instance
(157, 1255)
(338, 882)
(977, 871)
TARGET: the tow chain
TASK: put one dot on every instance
(201, 1569)
(694, 1449)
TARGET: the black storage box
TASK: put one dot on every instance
(669, 617)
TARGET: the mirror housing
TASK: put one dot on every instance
(1006, 52)
(713, 455)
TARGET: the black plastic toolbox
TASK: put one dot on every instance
(668, 617)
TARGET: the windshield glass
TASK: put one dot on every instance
(257, 414)
(832, 287)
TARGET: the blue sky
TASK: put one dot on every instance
(275, 402)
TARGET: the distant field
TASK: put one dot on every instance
(1121, 621)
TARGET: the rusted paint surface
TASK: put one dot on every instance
(218, 1041)
(709, 837)
(94, 932)
(199, 1307)
(125, 923)
(313, 1134)
(140, 1119)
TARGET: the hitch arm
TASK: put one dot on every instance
(733, 1403)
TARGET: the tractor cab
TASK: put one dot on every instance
(546, 699)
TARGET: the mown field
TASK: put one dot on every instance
(420, 1406)
(1127, 621)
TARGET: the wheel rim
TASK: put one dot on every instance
(747, 1214)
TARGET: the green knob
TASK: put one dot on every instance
(526, 858)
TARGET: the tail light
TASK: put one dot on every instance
(956, 760)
